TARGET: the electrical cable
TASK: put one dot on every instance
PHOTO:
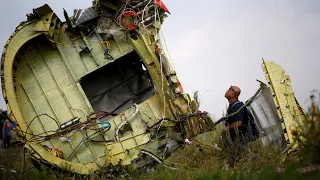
(166, 46)
(142, 18)
(39, 116)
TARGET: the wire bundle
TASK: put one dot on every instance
(40, 138)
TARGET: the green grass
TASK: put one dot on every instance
(214, 164)
(257, 162)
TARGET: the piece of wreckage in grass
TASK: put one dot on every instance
(275, 109)
(97, 89)
(278, 108)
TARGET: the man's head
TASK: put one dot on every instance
(233, 93)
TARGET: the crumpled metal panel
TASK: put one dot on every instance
(266, 116)
(86, 15)
(51, 85)
(288, 108)
(43, 10)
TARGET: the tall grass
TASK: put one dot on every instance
(194, 163)
(308, 136)
(257, 162)
(201, 161)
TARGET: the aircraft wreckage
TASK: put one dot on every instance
(98, 89)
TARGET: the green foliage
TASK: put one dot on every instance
(257, 162)
(307, 135)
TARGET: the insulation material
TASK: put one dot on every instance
(118, 85)
(266, 116)
(107, 26)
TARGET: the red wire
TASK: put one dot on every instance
(102, 141)
(105, 113)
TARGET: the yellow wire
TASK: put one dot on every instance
(165, 44)
(100, 43)
(144, 9)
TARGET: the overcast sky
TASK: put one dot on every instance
(215, 44)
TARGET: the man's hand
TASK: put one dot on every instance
(235, 124)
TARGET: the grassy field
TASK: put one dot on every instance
(193, 162)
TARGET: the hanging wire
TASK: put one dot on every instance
(166, 46)
(39, 116)
(121, 9)
(142, 17)
(165, 43)
(161, 70)
(39, 138)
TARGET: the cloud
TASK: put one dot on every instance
(189, 43)
(238, 35)
(216, 43)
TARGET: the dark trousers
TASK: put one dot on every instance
(238, 138)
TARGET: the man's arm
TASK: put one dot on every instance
(235, 124)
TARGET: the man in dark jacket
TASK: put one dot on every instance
(234, 123)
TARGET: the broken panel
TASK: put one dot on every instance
(118, 85)
(267, 119)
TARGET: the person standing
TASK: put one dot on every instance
(235, 139)
(7, 126)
